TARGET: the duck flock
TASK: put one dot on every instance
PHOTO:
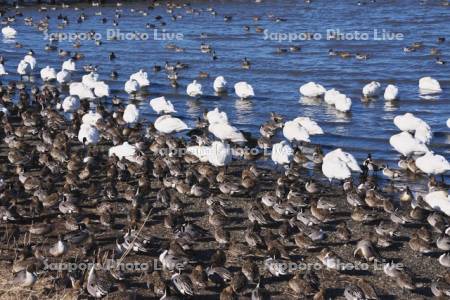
(87, 180)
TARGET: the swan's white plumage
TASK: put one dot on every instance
(31, 60)
(423, 133)
(88, 134)
(312, 89)
(243, 90)
(338, 164)
(131, 114)
(81, 90)
(194, 89)
(169, 124)
(224, 131)
(131, 86)
(371, 89)
(407, 122)
(282, 153)
(9, 32)
(69, 65)
(91, 118)
(293, 131)
(90, 79)
(23, 68)
(101, 89)
(201, 152)
(71, 104)
(141, 78)
(216, 116)
(219, 154)
(448, 123)
(432, 164)
(439, 200)
(2, 70)
(63, 76)
(220, 84)
(391, 93)
(343, 103)
(429, 85)
(48, 74)
(161, 105)
(125, 150)
(311, 126)
(330, 96)
(406, 144)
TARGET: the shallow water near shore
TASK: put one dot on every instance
(276, 78)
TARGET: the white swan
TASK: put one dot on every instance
(428, 85)
(131, 114)
(126, 151)
(243, 90)
(81, 90)
(439, 200)
(88, 134)
(448, 123)
(220, 84)
(371, 89)
(330, 96)
(194, 89)
(31, 60)
(311, 126)
(63, 77)
(131, 86)
(90, 79)
(282, 153)
(391, 92)
(224, 131)
(423, 133)
(343, 103)
(161, 105)
(201, 152)
(293, 131)
(91, 118)
(9, 32)
(71, 104)
(101, 89)
(338, 164)
(406, 144)
(69, 65)
(219, 154)
(407, 122)
(141, 77)
(23, 68)
(312, 89)
(432, 164)
(48, 74)
(2, 70)
(216, 116)
(169, 124)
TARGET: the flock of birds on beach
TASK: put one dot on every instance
(82, 181)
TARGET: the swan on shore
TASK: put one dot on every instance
(293, 131)
(91, 118)
(439, 200)
(219, 154)
(88, 134)
(194, 89)
(282, 153)
(371, 89)
(216, 116)
(161, 105)
(71, 104)
(338, 164)
(63, 77)
(169, 124)
(391, 93)
(9, 32)
(141, 78)
(127, 151)
(311, 126)
(131, 114)
(48, 74)
(224, 132)
(220, 84)
(69, 65)
(131, 86)
(429, 85)
(406, 144)
(81, 90)
(201, 152)
(432, 164)
(243, 90)
(312, 89)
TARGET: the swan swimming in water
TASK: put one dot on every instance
(31, 60)
(141, 77)
(330, 96)
(69, 65)
(226, 132)
(439, 200)
(423, 133)
(243, 90)
(293, 131)
(338, 164)
(71, 104)
(131, 114)
(343, 103)
(101, 89)
(429, 85)
(282, 153)
(2, 70)
(410, 123)
(391, 93)
(90, 79)
(161, 105)
(81, 90)
(9, 32)
(48, 74)
(371, 89)
(312, 89)
(432, 164)
(131, 86)
(24, 68)
(63, 77)
(406, 144)
(169, 124)
(220, 84)
(311, 126)
(88, 134)
(194, 89)
(216, 116)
